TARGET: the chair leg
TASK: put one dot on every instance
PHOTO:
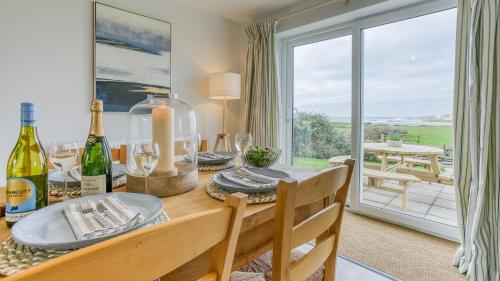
(330, 265)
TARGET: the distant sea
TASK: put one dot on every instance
(120, 96)
(401, 121)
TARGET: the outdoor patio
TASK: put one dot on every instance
(431, 201)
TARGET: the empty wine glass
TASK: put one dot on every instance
(198, 142)
(64, 156)
(242, 142)
(191, 146)
(146, 157)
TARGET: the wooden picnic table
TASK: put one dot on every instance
(256, 231)
(428, 152)
(399, 172)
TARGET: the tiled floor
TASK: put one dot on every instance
(430, 201)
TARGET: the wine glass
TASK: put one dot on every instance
(242, 142)
(146, 157)
(64, 156)
(198, 142)
(190, 147)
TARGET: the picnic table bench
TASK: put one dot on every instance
(375, 178)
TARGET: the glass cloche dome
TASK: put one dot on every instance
(170, 123)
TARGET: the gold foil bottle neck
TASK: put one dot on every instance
(96, 105)
(96, 127)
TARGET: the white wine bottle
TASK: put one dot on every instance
(96, 158)
(27, 171)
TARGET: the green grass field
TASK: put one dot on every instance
(310, 163)
(433, 136)
(429, 135)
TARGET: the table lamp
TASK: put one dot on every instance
(224, 86)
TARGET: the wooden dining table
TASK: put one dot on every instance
(256, 233)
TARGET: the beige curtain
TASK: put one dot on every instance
(477, 138)
(261, 85)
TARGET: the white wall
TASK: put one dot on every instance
(46, 58)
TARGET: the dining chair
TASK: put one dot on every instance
(294, 255)
(151, 253)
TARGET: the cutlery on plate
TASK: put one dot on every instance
(86, 207)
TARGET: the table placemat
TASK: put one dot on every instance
(208, 168)
(253, 198)
(16, 257)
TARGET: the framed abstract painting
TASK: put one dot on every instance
(132, 55)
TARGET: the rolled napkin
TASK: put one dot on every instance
(108, 216)
(248, 178)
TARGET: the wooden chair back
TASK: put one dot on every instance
(331, 187)
(151, 253)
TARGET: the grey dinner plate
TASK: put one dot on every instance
(230, 186)
(226, 157)
(48, 228)
(57, 177)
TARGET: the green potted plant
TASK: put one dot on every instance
(261, 157)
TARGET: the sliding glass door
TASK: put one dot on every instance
(380, 91)
(408, 69)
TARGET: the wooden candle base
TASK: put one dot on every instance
(171, 173)
(181, 180)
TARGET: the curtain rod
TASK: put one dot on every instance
(310, 9)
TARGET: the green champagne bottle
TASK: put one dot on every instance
(96, 159)
(27, 171)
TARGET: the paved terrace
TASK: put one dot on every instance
(435, 202)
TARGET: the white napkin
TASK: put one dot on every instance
(210, 156)
(247, 178)
(114, 216)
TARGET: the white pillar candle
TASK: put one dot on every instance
(163, 135)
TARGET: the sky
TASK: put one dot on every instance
(408, 70)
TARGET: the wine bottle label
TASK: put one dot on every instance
(93, 185)
(21, 199)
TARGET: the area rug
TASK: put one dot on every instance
(346, 270)
(406, 254)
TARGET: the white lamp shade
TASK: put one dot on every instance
(225, 85)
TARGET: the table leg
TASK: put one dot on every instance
(434, 165)
(383, 165)
(371, 182)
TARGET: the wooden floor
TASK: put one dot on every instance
(400, 252)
